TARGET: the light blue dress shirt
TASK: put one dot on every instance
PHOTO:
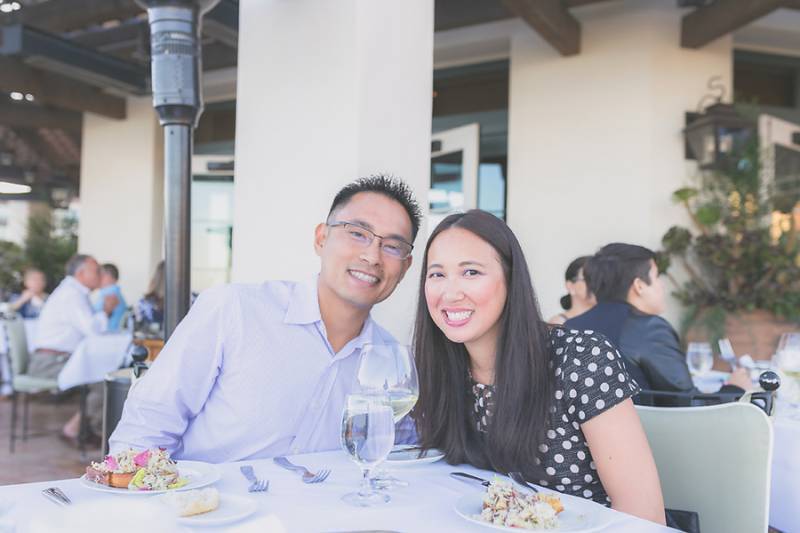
(114, 321)
(249, 373)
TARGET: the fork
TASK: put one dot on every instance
(519, 479)
(56, 495)
(256, 485)
(308, 477)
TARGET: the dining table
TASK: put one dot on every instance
(427, 503)
(784, 511)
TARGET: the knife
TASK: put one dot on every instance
(463, 475)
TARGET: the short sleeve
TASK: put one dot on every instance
(590, 374)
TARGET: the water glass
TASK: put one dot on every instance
(368, 437)
(699, 358)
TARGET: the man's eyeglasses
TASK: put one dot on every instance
(391, 246)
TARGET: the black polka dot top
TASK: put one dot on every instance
(590, 378)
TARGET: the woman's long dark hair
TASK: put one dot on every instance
(523, 380)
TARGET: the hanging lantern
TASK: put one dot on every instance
(719, 134)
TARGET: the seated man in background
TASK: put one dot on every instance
(630, 296)
(109, 278)
(67, 318)
(259, 370)
(30, 302)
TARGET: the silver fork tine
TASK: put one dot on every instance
(321, 476)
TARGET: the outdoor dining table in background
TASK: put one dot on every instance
(427, 504)
(95, 356)
(784, 511)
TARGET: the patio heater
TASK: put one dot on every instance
(175, 71)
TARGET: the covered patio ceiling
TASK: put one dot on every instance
(61, 58)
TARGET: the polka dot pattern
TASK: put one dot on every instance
(589, 378)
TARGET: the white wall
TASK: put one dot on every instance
(122, 193)
(327, 92)
(595, 143)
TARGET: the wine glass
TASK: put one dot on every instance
(699, 358)
(367, 436)
(389, 369)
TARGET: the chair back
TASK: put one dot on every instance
(715, 460)
(17, 345)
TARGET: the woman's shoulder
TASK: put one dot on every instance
(563, 339)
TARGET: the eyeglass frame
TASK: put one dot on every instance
(345, 223)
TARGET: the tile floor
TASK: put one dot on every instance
(43, 457)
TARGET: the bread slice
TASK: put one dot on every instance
(112, 479)
(192, 502)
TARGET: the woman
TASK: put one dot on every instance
(150, 309)
(579, 298)
(30, 302)
(502, 391)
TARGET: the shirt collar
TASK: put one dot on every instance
(77, 284)
(303, 303)
(303, 308)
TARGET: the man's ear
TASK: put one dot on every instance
(638, 286)
(320, 236)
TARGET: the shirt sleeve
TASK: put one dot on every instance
(593, 375)
(87, 321)
(662, 360)
(174, 390)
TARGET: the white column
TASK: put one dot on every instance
(122, 193)
(595, 143)
(327, 92)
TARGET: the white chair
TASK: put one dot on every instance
(714, 460)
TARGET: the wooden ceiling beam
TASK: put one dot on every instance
(35, 116)
(705, 24)
(66, 15)
(58, 91)
(551, 20)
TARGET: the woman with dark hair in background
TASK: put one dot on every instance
(579, 298)
(501, 390)
(150, 308)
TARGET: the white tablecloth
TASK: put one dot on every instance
(95, 356)
(425, 505)
(784, 507)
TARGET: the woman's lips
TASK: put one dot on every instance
(456, 317)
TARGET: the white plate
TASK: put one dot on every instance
(409, 456)
(200, 474)
(232, 508)
(578, 516)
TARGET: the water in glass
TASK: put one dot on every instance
(367, 436)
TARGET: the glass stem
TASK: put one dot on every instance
(366, 487)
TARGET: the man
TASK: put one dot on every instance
(109, 284)
(630, 296)
(66, 319)
(263, 370)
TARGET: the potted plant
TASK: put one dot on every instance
(741, 257)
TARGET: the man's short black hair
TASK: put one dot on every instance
(611, 271)
(387, 185)
(111, 269)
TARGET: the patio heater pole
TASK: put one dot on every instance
(175, 71)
